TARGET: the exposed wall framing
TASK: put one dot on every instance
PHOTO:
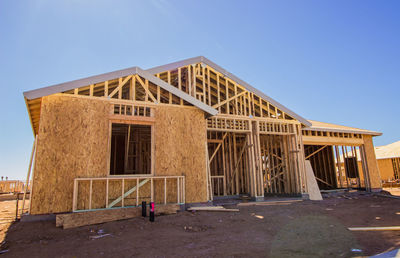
(396, 168)
(248, 156)
(280, 164)
(338, 166)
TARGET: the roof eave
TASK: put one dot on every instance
(342, 131)
(57, 88)
(33, 94)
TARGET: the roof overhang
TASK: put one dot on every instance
(327, 127)
(38, 93)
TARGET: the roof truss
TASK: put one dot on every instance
(191, 82)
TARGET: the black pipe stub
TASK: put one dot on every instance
(152, 211)
(144, 209)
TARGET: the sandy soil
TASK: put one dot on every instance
(393, 191)
(302, 229)
(7, 215)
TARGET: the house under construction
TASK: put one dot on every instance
(185, 132)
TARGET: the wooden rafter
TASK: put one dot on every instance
(228, 100)
(118, 89)
(146, 88)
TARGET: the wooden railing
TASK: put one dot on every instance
(132, 110)
(11, 186)
(126, 191)
(268, 127)
(228, 124)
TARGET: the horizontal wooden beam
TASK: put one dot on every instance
(322, 140)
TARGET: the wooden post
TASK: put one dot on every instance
(122, 192)
(107, 193)
(177, 190)
(75, 195)
(90, 194)
(339, 166)
(29, 174)
(165, 190)
(137, 191)
(152, 189)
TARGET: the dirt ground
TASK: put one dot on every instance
(393, 191)
(300, 229)
(7, 214)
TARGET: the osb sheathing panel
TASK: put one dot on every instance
(180, 138)
(386, 169)
(375, 178)
(72, 142)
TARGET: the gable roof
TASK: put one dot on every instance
(33, 94)
(202, 59)
(388, 151)
(327, 127)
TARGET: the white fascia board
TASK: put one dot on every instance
(33, 94)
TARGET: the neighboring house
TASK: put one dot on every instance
(388, 157)
(184, 132)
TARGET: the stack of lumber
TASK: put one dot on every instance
(78, 219)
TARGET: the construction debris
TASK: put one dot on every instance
(99, 236)
(211, 208)
(286, 202)
(374, 228)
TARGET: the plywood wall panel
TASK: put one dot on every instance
(375, 178)
(72, 142)
(386, 169)
(180, 138)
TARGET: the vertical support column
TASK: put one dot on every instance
(29, 174)
(364, 168)
(107, 193)
(300, 158)
(257, 151)
(183, 190)
(235, 158)
(177, 190)
(252, 162)
(137, 191)
(209, 189)
(373, 170)
(165, 190)
(152, 190)
(91, 192)
(339, 166)
(75, 196)
(224, 165)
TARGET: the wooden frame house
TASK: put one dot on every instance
(186, 132)
(388, 157)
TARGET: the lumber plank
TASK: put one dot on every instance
(268, 203)
(211, 209)
(374, 228)
(78, 219)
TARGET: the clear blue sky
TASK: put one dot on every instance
(332, 61)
